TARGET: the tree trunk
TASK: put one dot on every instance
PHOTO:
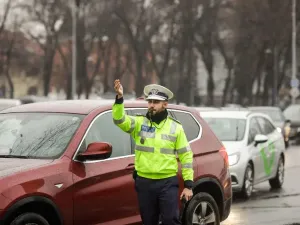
(181, 63)
(190, 76)
(88, 88)
(258, 93)
(69, 86)
(266, 90)
(10, 83)
(226, 86)
(48, 65)
(7, 73)
(139, 81)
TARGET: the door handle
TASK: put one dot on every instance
(130, 166)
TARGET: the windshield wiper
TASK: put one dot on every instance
(14, 156)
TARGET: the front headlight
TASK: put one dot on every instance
(279, 129)
(233, 159)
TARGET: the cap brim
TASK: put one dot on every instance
(148, 88)
(156, 97)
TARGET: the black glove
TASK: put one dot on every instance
(134, 174)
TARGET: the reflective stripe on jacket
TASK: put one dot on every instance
(156, 146)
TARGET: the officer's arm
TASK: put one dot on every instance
(125, 122)
(185, 156)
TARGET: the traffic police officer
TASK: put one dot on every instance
(158, 139)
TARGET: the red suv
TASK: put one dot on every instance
(65, 162)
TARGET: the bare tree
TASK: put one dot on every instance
(3, 20)
(142, 22)
(205, 40)
(97, 38)
(161, 53)
(49, 15)
(260, 46)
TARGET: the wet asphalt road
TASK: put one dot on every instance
(268, 207)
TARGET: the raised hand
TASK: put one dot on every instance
(118, 88)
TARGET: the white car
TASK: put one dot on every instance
(255, 148)
(7, 103)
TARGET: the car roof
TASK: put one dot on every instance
(204, 108)
(10, 101)
(264, 108)
(243, 114)
(80, 106)
(7, 103)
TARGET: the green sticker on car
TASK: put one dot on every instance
(268, 161)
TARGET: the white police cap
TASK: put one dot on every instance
(157, 92)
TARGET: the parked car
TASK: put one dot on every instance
(205, 109)
(65, 162)
(278, 118)
(33, 98)
(8, 102)
(254, 145)
(292, 113)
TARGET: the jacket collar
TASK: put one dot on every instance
(157, 118)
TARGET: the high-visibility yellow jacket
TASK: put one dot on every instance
(156, 146)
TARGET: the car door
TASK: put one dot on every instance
(192, 131)
(104, 190)
(271, 151)
(254, 150)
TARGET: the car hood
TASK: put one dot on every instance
(233, 146)
(11, 166)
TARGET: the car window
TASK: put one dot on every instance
(276, 115)
(189, 124)
(37, 135)
(265, 125)
(292, 113)
(104, 130)
(254, 129)
(227, 129)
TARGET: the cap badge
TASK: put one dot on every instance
(154, 91)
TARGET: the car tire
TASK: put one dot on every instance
(276, 182)
(196, 210)
(247, 188)
(30, 218)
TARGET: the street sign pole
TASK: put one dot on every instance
(294, 62)
(74, 46)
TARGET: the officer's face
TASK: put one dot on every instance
(156, 106)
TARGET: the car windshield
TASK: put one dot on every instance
(275, 115)
(292, 113)
(36, 135)
(227, 129)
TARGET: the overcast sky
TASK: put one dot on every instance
(19, 15)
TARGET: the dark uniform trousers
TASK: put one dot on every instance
(158, 199)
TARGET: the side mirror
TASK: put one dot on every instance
(96, 151)
(260, 138)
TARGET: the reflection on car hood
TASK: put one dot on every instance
(10, 166)
(233, 146)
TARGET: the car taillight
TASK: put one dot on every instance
(224, 154)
